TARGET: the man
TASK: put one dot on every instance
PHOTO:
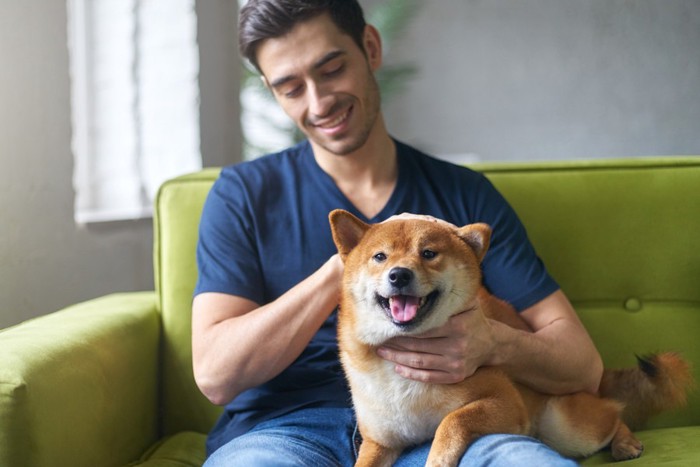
(263, 314)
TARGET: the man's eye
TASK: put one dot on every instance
(293, 92)
(428, 254)
(335, 71)
(379, 257)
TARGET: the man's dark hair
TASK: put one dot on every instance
(266, 19)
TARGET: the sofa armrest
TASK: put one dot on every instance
(79, 387)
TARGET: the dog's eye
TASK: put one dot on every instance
(379, 257)
(428, 254)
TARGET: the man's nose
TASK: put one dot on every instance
(320, 101)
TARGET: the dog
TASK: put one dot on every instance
(404, 277)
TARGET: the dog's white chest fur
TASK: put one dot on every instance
(396, 411)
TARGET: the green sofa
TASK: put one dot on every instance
(109, 382)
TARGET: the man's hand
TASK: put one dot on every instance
(444, 355)
(558, 357)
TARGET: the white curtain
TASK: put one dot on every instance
(135, 99)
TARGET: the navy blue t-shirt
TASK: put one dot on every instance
(265, 228)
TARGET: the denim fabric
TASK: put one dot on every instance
(495, 451)
(327, 438)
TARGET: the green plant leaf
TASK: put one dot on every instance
(392, 17)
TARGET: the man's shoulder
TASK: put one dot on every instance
(434, 167)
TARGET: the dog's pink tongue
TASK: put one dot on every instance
(404, 307)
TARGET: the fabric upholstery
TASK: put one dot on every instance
(178, 209)
(667, 447)
(621, 238)
(79, 387)
(184, 449)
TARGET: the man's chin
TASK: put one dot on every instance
(340, 147)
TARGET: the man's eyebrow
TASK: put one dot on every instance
(328, 57)
(319, 63)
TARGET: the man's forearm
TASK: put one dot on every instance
(558, 358)
(244, 347)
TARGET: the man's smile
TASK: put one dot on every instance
(335, 125)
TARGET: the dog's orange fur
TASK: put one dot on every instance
(394, 412)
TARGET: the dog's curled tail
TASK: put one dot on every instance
(659, 382)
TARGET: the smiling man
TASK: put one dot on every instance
(331, 94)
(264, 320)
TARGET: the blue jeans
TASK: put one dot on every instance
(329, 437)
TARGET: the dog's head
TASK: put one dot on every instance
(406, 276)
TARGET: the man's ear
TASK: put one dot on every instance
(477, 236)
(347, 231)
(372, 42)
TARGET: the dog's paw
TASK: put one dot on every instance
(626, 449)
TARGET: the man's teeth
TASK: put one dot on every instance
(336, 122)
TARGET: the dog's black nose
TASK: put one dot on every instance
(400, 277)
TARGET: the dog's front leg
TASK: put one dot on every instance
(373, 454)
(481, 417)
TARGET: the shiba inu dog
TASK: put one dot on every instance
(404, 277)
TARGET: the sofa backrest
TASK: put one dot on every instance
(621, 237)
(178, 209)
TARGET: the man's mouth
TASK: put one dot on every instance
(407, 310)
(335, 124)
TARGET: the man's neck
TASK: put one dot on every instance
(367, 177)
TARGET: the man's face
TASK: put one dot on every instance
(325, 82)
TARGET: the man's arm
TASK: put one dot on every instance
(237, 344)
(559, 357)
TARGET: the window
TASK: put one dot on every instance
(135, 99)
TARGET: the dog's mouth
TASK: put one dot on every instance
(407, 310)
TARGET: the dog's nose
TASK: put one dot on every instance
(400, 277)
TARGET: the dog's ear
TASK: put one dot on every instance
(477, 236)
(347, 231)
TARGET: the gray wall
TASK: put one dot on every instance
(46, 261)
(552, 79)
(506, 79)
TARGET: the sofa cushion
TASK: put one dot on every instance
(184, 449)
(673, 447)
(612, 229)
(625, 328)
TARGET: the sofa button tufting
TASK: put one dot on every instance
(633, 304)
